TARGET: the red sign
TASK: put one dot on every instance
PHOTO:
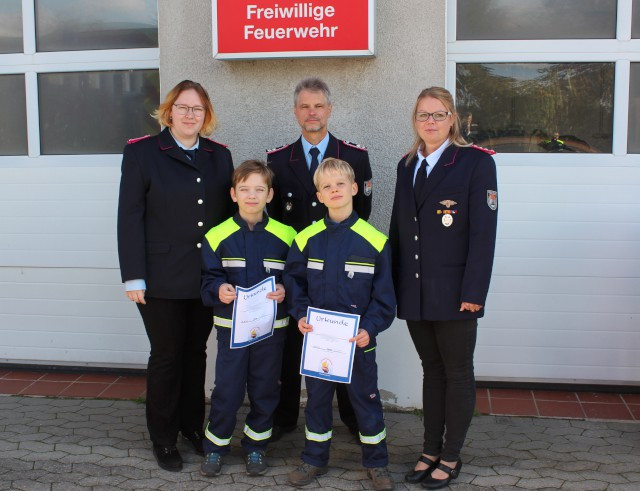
(245, 29)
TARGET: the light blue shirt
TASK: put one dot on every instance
(432, 159)
(140, 284)
(321, 146)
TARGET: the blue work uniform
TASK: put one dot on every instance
(233, 253)
(344, 267)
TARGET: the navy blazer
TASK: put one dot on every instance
(167, 203)
(443, 242)
(294, 200)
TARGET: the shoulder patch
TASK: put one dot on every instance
(371, 234)
(277, 149)
(217, 143)
(303, 237)
(485, 150)
(354, 145)
(284, 232)
(140, 138)
(220, 232)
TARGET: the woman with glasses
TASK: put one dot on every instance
(174, 187)
(443, 232)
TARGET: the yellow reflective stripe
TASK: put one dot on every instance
(372, 235)
(221, 442)
(317, 437)
(315, 264)
(303, 237)
(222, 322)
(370, 349)
(219, 233)
(356, 268)
(284, 232)
(258, 437)
(273, 264)
(372, 440)
(361, 264)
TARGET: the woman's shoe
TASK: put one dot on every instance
(414, 476)
(431, 483)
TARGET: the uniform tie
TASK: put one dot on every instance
(314, 152)
(421, 179)
(191, 154)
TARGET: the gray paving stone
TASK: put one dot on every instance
(607, 476)
(73, 449)
(81, 459)
(109, 481)
(91, 469)
(68, 486)
(30, 485)
(491, 481)
(585, 485)
(575, 466)
(543, 482)
(109, 451)
(506, 470)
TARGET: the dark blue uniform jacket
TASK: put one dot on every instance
(167, 203)
(232, 253)
(294, 201)
(436, 267)
(344, 267)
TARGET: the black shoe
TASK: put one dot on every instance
(414, 476)
(168, 458)
(431, 483)
(278, 431)
(195, 438)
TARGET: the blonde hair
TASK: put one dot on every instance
(445, 97)
(333, 165)
(163, 113)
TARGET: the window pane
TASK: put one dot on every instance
(11, 26)
(536, 19)
(13, 125)
(633, 138)
(635, 20)
(96, 112)
(70, 25)
(537, 107)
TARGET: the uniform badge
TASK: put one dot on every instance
(288, 205)
(368, 187)
(492, 199)
(447, 220)
(448, 203)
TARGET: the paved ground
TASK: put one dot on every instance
(68, 444)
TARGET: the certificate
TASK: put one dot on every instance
(253, 314)
(326, 351)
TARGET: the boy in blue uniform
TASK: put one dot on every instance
(242, 251)
(342, 263)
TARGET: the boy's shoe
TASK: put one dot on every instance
(168, 458)
(305, 473)
(256, 465)
(212, 465)
(380, 478)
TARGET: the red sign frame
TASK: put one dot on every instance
(254, 29)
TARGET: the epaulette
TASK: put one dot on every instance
(134, 140)
(354, 145)
(485, 150)
(277, 149)
(218, 143)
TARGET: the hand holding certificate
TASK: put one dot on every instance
(253, 314)
(327, 350)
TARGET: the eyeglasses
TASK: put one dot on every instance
(183, 110)
(437, 116)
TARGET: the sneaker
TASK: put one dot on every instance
(380, 478)
(212, 465)
(305, 473)
(256, 465)
(168, 458)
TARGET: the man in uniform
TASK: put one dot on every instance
(295, 204)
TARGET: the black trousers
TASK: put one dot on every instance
(448, 385)
(288, 409)
(178, 332)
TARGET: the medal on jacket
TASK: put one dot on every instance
(288, 205)
(447, 220)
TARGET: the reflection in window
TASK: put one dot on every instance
(13, 124)
(633, 138)
(536, 19)
(635, 19)
(70, 25)
(537, 107)
(96, 112)
(11, 26)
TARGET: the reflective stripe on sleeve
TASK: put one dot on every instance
(222, 322)
(281, 323)
(359, 268)
(233, 262)
(315, 264)
(372, 440)
(255, 436)
(317, 437)
(221, 442)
